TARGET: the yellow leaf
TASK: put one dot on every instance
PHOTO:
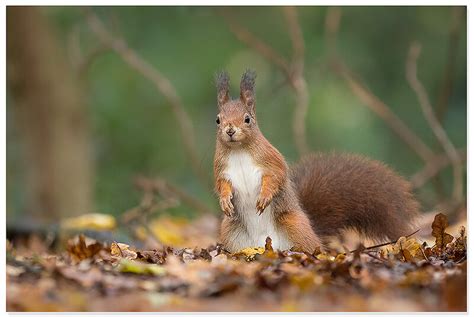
(90, 221)
(409, 248)
(130, 266)
(250, 252)
(304, 281)
(340, 257)
(325, 257)
(169, 231)
(141, 233)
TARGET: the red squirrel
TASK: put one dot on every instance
(302, 207)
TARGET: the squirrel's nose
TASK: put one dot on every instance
(230, 132)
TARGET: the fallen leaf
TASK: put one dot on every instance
(130, 266)
(15, 270)
(122, 250)
(85, 278)
(157, 257)
(93, 221)
(249, 253)
(438, 227)
(81, 247)
(169, 231)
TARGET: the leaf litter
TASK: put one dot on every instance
(92, 275)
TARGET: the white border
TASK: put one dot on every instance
(470, 190)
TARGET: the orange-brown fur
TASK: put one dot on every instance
(348, 191)
(320, 197)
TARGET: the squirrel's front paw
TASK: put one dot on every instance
(262, 202)
(226, 205)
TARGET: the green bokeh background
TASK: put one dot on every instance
(135, 132)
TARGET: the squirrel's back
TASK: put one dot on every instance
(348, 191)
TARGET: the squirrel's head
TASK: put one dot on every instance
(236, 120)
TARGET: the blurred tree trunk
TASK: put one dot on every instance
(50, 116)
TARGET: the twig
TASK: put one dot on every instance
(257, 44)
(162, 186)
(384, 244)
(432, 168)
(424, 255)
(464, 257)
(439, 132)
(162, 84)
(88, 59)
(374, 257)
(293, 70)
(81, 62)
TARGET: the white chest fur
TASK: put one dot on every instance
(246, 178)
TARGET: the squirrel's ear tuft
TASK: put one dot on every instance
(247, 86)
(222, 83)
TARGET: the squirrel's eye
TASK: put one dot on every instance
(218, 121)
(247, 119)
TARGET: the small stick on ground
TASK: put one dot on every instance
(384, 244)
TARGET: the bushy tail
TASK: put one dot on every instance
(347, 191)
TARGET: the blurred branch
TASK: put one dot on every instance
(446, 86)
(433, 163)
(257, 44)
(293, 70)
(87, 60)
(384, 112)
(332, 25)
(331, 29)
(297, 80)
(149, 204)
(162, 84)
(296, 37)
(158, 195)
(80, 61)
(439, 132)
(167, 189)
(432, 168)
(447, 83)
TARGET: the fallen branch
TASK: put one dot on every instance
(162, 84)
(383, 244)
(430, 116)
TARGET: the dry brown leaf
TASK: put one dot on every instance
(81, 248)
(122, 250)
(438, 227)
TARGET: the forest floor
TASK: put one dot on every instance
(88, 274)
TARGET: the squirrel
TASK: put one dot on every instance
(304, 206)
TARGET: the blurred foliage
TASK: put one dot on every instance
(133, 128)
